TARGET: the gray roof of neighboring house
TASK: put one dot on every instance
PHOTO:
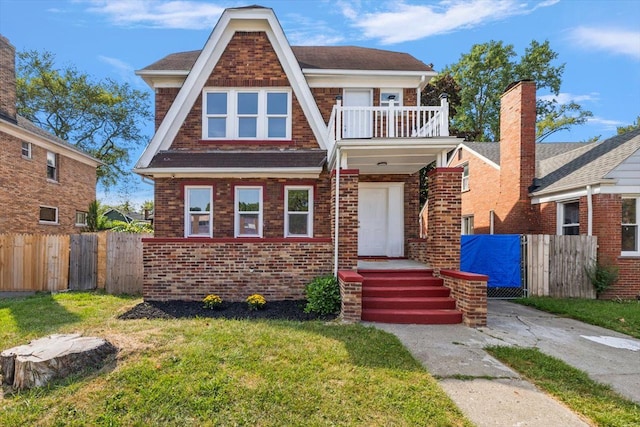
(544, 150)
(239, 159)
(319, 57)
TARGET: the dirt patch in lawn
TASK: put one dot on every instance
(273, 310)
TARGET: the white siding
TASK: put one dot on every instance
(628, 172)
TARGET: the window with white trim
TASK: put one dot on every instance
(48, 215)
(81, 218)
(467, 224)
(387, 95)
(26, 150)
(52, 166)
(198, 211)
(298, 220)
(247, 114)
(248, 211)
(569, 218)
(630, 226)
(465, 177)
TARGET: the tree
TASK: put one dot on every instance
(629, 128)
(484, 73)
(101, 118)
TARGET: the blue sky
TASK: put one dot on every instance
(599, 41)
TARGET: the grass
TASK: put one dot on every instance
(221, 372)
(620, 316)
(584, 396)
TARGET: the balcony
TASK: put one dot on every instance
(388, 122)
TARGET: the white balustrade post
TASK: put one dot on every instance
(338, 130)
(444, 115)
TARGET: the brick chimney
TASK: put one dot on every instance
(517, 156)
(7, 79)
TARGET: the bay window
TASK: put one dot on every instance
(298, 220)
(247, 114)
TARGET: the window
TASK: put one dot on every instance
(199, 211)
(247, 114)
(26, 150)
(48, 215)
(81, 218)
(388, 95)
(52, 166)
(630, 221)
(569, 219)
(248, 212)
(298, 221)
(465, 177)
(467, 224)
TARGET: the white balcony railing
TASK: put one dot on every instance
(388, 122)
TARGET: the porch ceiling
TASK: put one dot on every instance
(372, 157)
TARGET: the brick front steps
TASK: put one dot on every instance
(407, 296)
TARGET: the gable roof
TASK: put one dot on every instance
(231, 21)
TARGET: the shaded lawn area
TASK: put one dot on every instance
(221, 372)
(620, 316)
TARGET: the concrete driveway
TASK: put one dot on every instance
(490, 393)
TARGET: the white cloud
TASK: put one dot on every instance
(607, 124)
(304, 31)
(398, 24)
(172, 14)
(565, 98)
(616, 41)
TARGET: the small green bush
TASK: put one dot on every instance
(323, 295)
(602, 275)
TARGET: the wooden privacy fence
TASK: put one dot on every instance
(556, 265)
(110, 261)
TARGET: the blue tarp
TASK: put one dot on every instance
(496, 255)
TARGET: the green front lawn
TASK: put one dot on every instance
(221, 372)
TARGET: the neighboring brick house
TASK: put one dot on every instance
(46, 184)
(519, 186)
(252, 138)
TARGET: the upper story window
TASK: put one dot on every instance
(387, 95)
(248, 211)
(199, 211)
(569, 218)
(52, 166)
(298, 220)
(26, 150)
(247, 114)
(630, 223)
(465, 177)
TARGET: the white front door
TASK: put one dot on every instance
(381, 219)
(356, 123)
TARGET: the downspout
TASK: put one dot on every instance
(589, 212)
(336, 213)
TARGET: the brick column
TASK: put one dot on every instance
(351, 295)
(348, 218)
(444, 218)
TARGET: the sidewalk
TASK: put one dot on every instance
(497, 396)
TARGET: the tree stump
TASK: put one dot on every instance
(53, 357)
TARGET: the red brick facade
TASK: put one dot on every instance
(24, 187)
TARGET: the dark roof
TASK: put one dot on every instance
(544, 150)
(239, 159)
(318, 57)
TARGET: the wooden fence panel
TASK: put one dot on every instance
(556, 265)
(34, 262)
(124, 263)
(83, 262)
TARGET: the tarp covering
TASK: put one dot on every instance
(496, 255)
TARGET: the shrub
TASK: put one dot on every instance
(323, 295)
(602, 275)
(212, 301)
(256, 302)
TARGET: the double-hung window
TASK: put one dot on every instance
(569, 218)
(298, 220)
(26, 150)
(199, 211)
(630, 226)
(248, 211)
(247, 114)
(465, 177)
(52, 166)
(467, 224)
(81, 218)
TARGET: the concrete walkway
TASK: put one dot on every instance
(496, 395)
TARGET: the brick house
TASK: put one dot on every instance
(555, 188)
(46, 184)
(275, 164)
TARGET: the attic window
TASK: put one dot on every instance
(247, 114)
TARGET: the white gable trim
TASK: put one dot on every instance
(231, 21)
(475, 153)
